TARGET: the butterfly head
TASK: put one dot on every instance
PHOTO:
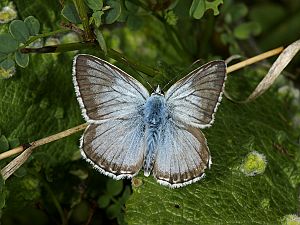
(158, 91)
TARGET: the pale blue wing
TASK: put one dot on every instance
(112, 102)
(182, 155)
(104, 91)
(194, 99)
(115, 147)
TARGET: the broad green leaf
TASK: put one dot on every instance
(7, 43)
(19, 30)
(22, 59)
(245, 30)
(103, 201)
(4, 145)
(33, 25)
(197, 9)
(113, 13)
(94, 4)
(70, 13)
(101, 40)
(114, 187)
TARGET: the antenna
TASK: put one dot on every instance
(198, 60)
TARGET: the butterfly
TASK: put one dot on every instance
(130, 129)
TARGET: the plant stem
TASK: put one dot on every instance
(82, 11)
(32, 39)
(84, 45)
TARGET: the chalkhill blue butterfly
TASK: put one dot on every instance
(129, 129)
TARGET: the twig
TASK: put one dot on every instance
(82, 11)
(254, 59)
(32, 39)
(73, 27)
(10, 168)
(152, 72)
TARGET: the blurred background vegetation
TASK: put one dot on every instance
(156, 40)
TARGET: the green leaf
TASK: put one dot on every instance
(7, 64)
(245, 30)
(197, 9)
(33, 25)
(70, 13)
(19, 30)
(7, 43)
(114, 187)
(96, 17)
(214, 5)
(101, 40)
(113, 211)
(94, 4)
(103, 201)
(22, 59)
(4, 145)
(113, 13)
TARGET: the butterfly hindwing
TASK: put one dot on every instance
(111, 101)
(182, 156)
(104, 91)
(193, 100)
(115, 148)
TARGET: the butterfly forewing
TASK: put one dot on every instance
(182, 156)
(193, 100)
(104, 91)
(111, 102)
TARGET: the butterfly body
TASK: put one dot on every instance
(130, 130)
(155, 117)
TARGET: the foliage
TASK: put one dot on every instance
(155, 40)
